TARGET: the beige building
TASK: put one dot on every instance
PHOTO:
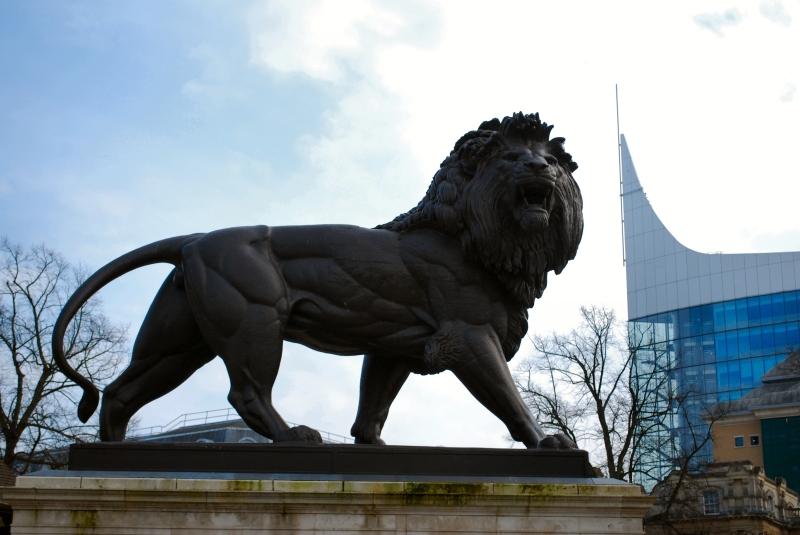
(763, 426)
(729, 497)
(738, 438)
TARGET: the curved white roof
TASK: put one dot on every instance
(664, 275)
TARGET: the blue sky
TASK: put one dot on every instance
(123, 123)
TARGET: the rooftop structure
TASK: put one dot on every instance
(220, 425)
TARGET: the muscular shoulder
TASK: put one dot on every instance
(434, 252)
(457, 287)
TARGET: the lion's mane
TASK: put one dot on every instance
(460, 203)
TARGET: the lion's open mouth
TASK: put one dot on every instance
(536, 196)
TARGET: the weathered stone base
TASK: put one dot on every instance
(166, 505)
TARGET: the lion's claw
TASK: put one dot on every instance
(301, 433)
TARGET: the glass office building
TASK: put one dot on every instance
(715, 323)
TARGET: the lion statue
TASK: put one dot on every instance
(445, 286)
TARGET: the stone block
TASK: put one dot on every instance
(307, 486)
(463, 489)
(448, 522)
(536, 489)
(221, 485)
(128, 483)
(32, 482)
(609, 490)
(538, 524)
(372, 487)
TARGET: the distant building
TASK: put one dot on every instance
(764, 425)
(732, 497)
(226, 431)
(717, 322)
(221, 425)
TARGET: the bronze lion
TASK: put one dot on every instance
(446, 286)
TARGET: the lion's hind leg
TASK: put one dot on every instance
(381, 380)
(252, 357)
(167, 351)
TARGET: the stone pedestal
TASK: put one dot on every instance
(83, 503)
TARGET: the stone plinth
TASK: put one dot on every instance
(349, 461)
(216, 503)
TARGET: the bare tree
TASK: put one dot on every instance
(613, 388)
(37, 403)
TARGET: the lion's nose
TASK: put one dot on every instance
(537, 164)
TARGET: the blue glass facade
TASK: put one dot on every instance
(724, 348)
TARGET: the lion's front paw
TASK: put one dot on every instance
(367, 433)
(301, 433)
(559, 441)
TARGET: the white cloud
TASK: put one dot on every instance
(789, 89)
(776, 12)
(359, 171)
(317, 37)
(715, 22)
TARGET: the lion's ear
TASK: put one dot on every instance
(556, 148)
(494, 124)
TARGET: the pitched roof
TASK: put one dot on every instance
(787, 370)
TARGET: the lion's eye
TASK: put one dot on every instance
(552, 160)
(511, 156)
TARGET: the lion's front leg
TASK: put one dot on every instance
(475, 356)
(381, 380)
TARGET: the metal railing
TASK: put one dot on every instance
(216, 416)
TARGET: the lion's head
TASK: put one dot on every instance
(507, 192)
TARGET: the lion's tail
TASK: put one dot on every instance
(165, 251)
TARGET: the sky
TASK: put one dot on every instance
(123, 123)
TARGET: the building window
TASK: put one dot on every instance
(711, 503)
(754, 440)
(738, 442)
